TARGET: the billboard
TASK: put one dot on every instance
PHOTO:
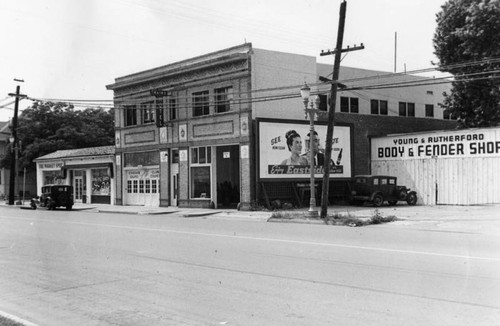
(284, 150)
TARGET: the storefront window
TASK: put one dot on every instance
(200, 182)
(52, 177)
(100, 182)
(141, 159)
(141, 186)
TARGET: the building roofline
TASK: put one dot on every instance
(190, 63)
(99, 151)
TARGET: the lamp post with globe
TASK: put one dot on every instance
(311, 110)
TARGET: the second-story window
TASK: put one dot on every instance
(349, 104)
(448, 115)
(323, 102)
(223, 97)
(429, 110)
(378, 107)
(201, 105)
(130, 115)
(406, 109)
(172, 108)
(148, 112)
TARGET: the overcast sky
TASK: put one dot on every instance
(72, 49)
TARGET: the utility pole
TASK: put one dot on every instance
(13, 138)
(331, 111)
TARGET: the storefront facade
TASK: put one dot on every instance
(89, 170)
(181, 140)
(187, 134)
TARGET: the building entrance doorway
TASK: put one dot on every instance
(174, 178)
(228, 176)
(78, 186)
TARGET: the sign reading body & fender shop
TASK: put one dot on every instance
(444, 144)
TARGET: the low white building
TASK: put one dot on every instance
(89, 170)
(456, 167)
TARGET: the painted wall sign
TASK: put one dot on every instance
(276, 161)
(446, 144)
(143, 174)
(47, 166)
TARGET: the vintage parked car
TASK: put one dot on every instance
(379, 188)
(54, 196)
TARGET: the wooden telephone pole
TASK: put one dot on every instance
(14, 147)
(331, 111)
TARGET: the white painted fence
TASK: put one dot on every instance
(445, 167)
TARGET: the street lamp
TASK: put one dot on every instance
(311, 108)
(12, 182)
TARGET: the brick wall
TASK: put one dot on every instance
(366, 126)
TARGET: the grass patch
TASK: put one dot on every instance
(4, 321)
(338, 218)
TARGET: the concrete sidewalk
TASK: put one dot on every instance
(477, 218)
(484, 219)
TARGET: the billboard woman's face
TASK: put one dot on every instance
(296, 145)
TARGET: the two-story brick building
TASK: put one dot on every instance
(195, 132)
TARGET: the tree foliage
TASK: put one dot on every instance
(467, 43)
(46, 127)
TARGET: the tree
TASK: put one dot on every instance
(46, 127)
(467, 44)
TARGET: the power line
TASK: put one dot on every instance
(421, 81)
(241, 101)
(367, 78)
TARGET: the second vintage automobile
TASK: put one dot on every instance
(377, 189)
(54, 196)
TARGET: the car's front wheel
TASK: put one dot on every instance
(412, 199)
(378, 200)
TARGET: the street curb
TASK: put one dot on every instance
(199, 214)
(157, 213)
(135, 213)
(118, 212)
(298, 220)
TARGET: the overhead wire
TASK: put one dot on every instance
(367, 78)
(415, 82)
(211, 17)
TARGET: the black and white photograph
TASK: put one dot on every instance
(187, 162)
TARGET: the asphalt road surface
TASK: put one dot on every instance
(84, 268)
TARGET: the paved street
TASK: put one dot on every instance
(90, 268)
